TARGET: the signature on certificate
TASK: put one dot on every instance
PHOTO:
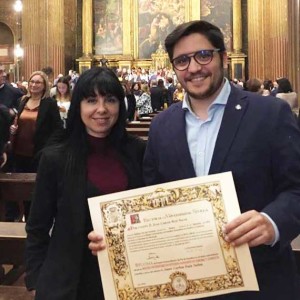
(152, 256)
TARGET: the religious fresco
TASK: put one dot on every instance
(219, 13)
(108, 27)
(156, 19)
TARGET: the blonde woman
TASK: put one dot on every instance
(37, 119)
(178, 93)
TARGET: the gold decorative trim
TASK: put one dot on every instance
(115, 224)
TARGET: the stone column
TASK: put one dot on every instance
(31, 37)
(237, 26)
(268, 39)
(87, 28)
(55, 37)
(237, 57)
(43, 36)
(86, 60)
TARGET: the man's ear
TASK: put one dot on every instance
(225, 60)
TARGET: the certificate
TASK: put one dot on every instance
(165, 241)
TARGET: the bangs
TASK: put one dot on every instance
(103, 85)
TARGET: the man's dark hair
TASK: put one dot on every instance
(210, 31)
(48, 71)
(284, 85)
(170, 80)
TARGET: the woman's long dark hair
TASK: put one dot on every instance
(104, 82)
(74, 140)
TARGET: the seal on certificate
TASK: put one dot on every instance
(113, 215)
(179, 282)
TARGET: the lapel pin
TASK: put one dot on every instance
(238, 107)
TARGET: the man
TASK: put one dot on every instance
(9, 95)
(220, 128)
(171, 90)
(158, 95)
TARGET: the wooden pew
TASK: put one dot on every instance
(143, 132)
(138, 124)
(12, 245)
(16, 187)
(154, 113)
(15, 293)
(145, 119)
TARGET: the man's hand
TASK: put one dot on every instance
(96, 242)
(250, 227)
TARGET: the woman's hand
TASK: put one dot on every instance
(96, 242)
(13, 129)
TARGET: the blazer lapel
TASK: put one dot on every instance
(234, 111)
(178, 140)
(41, 112)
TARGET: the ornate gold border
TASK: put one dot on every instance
(114, 235)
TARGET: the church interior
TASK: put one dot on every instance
(262, 37)
(69, 37)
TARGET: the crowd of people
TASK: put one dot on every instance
(211, 126)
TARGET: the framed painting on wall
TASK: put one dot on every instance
(108, 26)
(157, 18)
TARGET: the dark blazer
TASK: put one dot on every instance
(54, 265)
(48, 121)
(158, 98)
(9, 96)
(260, 144)
(131, 106)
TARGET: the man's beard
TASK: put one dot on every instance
(213, 87)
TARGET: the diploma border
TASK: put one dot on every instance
(114, 223)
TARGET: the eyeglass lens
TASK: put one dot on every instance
(202, 57)
(35, 82)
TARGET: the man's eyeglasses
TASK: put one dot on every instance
(202, 57)
(36, 82)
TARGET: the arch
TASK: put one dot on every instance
(6, 36)
(6, 45)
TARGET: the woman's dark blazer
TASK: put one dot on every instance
(48, 121)
(53, 265)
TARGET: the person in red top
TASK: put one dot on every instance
(37, 119)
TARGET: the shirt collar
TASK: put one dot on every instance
(221, 99)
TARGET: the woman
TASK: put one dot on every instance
(143, 104)
(63, 97)
(178, 94)
(285, 92)
(267, 87)
(37, 119)
(136, 90)
(101, 158)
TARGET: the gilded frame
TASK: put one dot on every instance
(191, 12)
(130, 55)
